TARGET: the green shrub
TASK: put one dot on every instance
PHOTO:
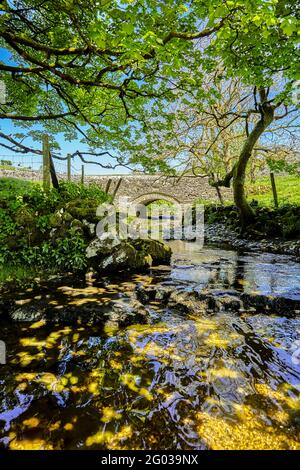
(15, 186)
(70, 191)
(27, 216)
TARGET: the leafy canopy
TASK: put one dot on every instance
(80, 66)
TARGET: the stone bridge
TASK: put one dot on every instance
(145, 189)
(141, 188)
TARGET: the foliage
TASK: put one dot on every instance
(107, 64)
(15, 186)
(105, 69)
(283, 166)
(270, 222)
(18, 275)
(27, 216)
(69, 191)
(67, 254)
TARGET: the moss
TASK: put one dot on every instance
(25, 216)
(270, 222)
(159, 252)
(55, 220)
(83, 209)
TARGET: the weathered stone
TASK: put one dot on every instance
(268, 304)
(67, 217)
(186, 302)
(24, 217)
(109, 254)
(83, 209)
(28, 313)
(146, 294)
(126, 315)
(94, 313)
(125, 257)
(163, 294)
(89, 228)
(220, 300)
(55, 220)
(102, 246)
(145, 188)
(219, 234)
(77, 224)
(159, 252)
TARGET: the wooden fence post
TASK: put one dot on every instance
(69, 167)
(117, 187)
(274, 189)
(82, 174)
(46, 163)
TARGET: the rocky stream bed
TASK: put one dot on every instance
(205, 350)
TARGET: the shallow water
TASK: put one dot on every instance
(183, 382)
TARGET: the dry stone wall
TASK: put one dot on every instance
(143, 188)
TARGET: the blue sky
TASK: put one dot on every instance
(7, 127)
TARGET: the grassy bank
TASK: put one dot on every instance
(18, 275)
(288, 188)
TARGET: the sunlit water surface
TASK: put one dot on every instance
(217, 381)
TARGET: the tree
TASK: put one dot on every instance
(80, 63)
(95, 69)
(194, 140)
(263, 51)
(210, 138)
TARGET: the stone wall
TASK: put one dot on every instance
(143, 188)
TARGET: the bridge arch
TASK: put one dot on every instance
(148, 198)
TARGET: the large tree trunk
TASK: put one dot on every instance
(247, 214)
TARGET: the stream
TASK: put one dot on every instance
(215, 381)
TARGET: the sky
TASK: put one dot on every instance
(7, 127)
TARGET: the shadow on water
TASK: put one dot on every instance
(217, 381)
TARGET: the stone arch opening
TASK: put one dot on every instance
(158, 220)
(149, 198)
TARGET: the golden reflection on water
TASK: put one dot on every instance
(180, 383)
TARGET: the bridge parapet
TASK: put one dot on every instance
(184, 190)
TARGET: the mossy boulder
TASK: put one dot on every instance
(125, 257)
(159, 251)
(77, 224)
(102, 246)
(83, 209)
(109, 254)
(55, 220)
(25, 217)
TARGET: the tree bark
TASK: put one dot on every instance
(247, 214)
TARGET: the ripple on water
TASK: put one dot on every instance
(183, 382)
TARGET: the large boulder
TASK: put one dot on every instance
(109, 254)
(83, 209)
(102, 246)
(159, 251)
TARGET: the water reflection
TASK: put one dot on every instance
(266, 273)
(182, 382)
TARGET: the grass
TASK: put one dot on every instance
(288, 189)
